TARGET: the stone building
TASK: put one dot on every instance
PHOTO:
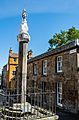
(12, 64)
(0, 80)
(58, 71)
(9, 71)
(4, 76)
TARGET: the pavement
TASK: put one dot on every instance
(67, 116)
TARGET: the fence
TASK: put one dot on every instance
(36, 106)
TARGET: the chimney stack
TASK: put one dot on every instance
(30, 53)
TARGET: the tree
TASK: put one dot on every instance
(63, 37)
(73, 34)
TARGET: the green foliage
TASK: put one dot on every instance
(63, 37)
(73, 33)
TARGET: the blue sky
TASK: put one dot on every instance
(45, 18)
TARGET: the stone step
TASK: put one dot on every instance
(11, 114)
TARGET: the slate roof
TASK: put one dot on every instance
(14, 55)
(65, 47)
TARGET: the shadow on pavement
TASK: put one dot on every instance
(66, 116)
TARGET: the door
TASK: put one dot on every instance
(59, 94)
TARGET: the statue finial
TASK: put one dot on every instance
(24, 14)
(24, 27)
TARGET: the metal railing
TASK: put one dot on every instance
(37, 106)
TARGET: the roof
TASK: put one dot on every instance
(65, 47)
(13, 55)
(5, 66)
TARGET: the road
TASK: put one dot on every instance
(67, 116)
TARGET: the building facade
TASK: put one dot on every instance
(12, 64)
(9, 71)
(0, 80)
(4, 76)
(58, 71)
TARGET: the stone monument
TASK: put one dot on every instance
(23, 39)
(22, 109)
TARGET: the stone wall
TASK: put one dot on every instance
(68, 77)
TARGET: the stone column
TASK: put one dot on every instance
(23, 39)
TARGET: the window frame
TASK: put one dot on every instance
(34, 69)
(13, 72)
(59, 94)
(14, 59)
(44, 67)
(59, 64)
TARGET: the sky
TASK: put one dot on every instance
(45, 18)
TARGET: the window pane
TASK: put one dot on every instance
(44, 67)
(13, 72)
(14, 59)
(35, 69)
(59, 93)
(59, 64)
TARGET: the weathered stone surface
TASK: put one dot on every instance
(69, 75)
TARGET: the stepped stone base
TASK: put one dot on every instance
(27, 112)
